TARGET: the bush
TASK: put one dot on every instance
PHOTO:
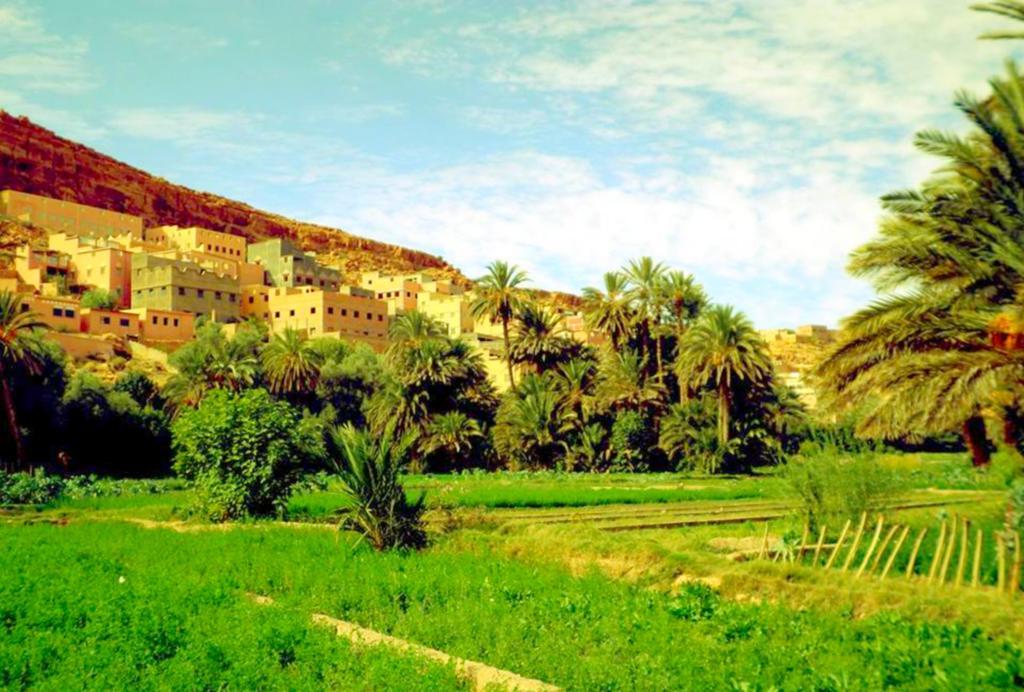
(138, 385)
(28, 488)
(368, 467)
(834, 488)
(241, 452)
(100, 299)
(633, 442)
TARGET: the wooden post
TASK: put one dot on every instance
(856, 542)
(961, 562)
(882, 548)
(950, 549)
(1000, 562)
(976, 570)
(764, 543)
(871, 546)
(914, 552)
(817, 548)
(803, 543)
(937, 557)
(839, 544)
(895, 551)
(1015, 573)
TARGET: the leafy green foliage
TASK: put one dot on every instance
(241, 452)
(100, 299)
(833, 488)
(369, 469)
(633, 442)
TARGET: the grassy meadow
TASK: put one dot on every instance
(522, 574)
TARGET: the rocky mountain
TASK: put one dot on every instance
(36, 160)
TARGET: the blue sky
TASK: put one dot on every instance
(744, 141)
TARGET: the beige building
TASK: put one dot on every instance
(61, 314)
(168, 284)
(256, 302)
(165, 326)
(116, 322)
(202, 240)
(350, 314)
(38, 267)
(450, 310)
(57, 215)
(287, 266)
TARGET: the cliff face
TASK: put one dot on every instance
(35, 160)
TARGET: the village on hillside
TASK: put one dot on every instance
(165, 278)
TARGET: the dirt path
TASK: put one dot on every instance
(480, 675)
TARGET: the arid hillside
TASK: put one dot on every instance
(36, 160)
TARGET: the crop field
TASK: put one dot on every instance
(523, 574)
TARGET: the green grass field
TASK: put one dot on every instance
(129, 592)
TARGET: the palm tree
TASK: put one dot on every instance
(684, 299)
(368, 468)
(17, 352)
(722, 348)
(531, 423)
(498, 299)
(538, 340)
(451, 434)
(1014, 9)
(609, 311)
(575, 381)
(623, 383)
(291, 363)
(644, 277)
(413, 328)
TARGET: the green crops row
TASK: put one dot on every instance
(180, 618)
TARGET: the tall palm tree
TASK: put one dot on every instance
(609, 311)
(575, 381)
(498, 298)
(645, 277)
(451, 434)
(684, 299)
(539, 340)
(413, 328)
(291, 363)
(623, 383)
(721, 349)
(1014, 9)
(17, 352)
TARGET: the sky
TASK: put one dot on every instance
(744, 141)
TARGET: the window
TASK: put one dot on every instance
(154, 319)
(181, 290)
(57, 312)
(344, 312)
(69, 313)
(355, 313)
(217, 295)
(276, 314)
(231, 297)
(175, 321)
(126, 323)
(165, 321)
(312, 311)
(200, 293)
(380, 318)
(252, 299)
(369, 315)
(106, 320)
(330, 311)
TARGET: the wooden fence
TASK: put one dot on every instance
(957, 557)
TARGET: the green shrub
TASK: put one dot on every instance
(100, 299)
(28, 488)
(833, 487)
(242, 452)
(633, 442)
(368, 467)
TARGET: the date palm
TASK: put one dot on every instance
(608, 310)
(413, 328)
(644, 277)
(538, 340)
(17, 352)
(451, 434)
(498, 299)
(722, 349)
(291, 363)
(623, 383)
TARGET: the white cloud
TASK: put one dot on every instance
(35, 60)
(181, 125)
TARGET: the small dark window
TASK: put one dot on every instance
(231, 297)
(57, 312)
(380, 318)
(125, 323)
(291, 313)
(69, 313)
(355, 313)
(330, 311)
(154, 320)
(369, 315)
(106, 320)
(175, 321)
(277, 314)
(217, 295)
(312, 311)
(344, 312)
(181, 290)
(200, 293)
(252, 299)
(165, 321)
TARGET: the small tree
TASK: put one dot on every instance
(369, 467)
(100, 299)
(241, 451)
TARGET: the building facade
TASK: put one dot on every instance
(168, 284)
(58, 215)
(116, 322)
(165, 326)
(287, 266)
(349, 314)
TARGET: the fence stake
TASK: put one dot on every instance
(1001, 562)
(1015, 574)
(976, 570)
(872, 545)
(803, 543)
(817, 548)
(764, 543)
(937, 557)
(950, 549)
(913, 553)
(961, 562)
(882, 548)
(839, 544)
(895, 551)
(856, 542)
